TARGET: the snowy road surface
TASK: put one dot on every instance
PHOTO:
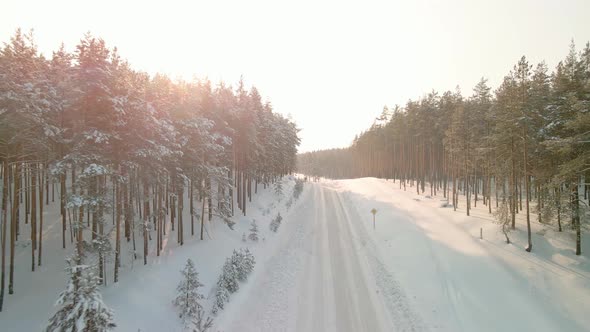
(328, 270)
(336, 294)
(320, 279)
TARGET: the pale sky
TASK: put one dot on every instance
(331, 65)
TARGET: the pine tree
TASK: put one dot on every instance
(221, 297)
(502, 218)
(230, 275)
(298, 188)
(279, 189)
(226, 284)
(253, 231)
(81, 308)
(275, 223)
(247, 262)
(188, 297)
(201, 323)
(243, 261)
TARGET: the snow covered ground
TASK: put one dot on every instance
(142, 299)
(423, 268)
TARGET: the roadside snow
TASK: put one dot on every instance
(458, 282)
(142, 299)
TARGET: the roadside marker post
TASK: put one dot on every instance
(374, 212)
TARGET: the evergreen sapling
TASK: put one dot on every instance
(253, 231)
(188, 296)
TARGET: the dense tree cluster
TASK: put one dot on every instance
(526, 142)
(236, 269)
(104, 141)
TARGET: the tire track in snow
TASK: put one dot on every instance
(402, 315)
(366, 306)
(323, 278)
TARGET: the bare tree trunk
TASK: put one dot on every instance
(33, 206)
(62, 194)
(526, 189)
(202, 213)
(210, 200)
(13, 225)
(146, 203)
(466, 189)
(192, 206)
(180, 208)
(45, 175)
(118, 212)
(513, 185)
(558, 203)
(43, 178)
(243, 194)
(5, 184)
(160, 217)
(94, 192)
(231, 191)
(576, 214)
(26, 191)
(489, 190)
(173, 200)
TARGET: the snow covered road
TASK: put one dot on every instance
(336, 295)
(321, 278)
(420, 270)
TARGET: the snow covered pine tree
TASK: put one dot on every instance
(253, 231)
(188, 297)
(243, 261)
(236, 268)
(275, 223)
(226, 284)
(80, 305)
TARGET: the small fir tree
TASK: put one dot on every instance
(503, 218)
(253, 231)
(275, 223)
(188, 296)
(279, 189)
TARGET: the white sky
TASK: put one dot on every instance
(332, 65)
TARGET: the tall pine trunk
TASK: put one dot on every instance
(43, 176)
(529, 248)
(13, 224)
(5, 184)
(33, 206)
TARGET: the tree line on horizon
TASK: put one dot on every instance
(526, 143)
(121, 153)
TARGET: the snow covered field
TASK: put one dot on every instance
(423, 268)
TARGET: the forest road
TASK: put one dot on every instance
(336, 294)
(321, 276)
